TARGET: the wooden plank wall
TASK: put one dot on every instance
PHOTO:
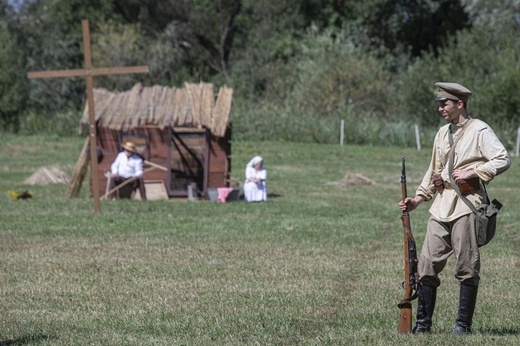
(219, 160)
(187, 161)
(156, 141)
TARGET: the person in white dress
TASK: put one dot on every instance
(255, 187)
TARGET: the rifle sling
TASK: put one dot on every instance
(407, 302)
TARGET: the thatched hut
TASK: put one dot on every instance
(186, 131)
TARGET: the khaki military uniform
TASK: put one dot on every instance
(450, 229)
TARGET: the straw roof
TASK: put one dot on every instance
(194, 105)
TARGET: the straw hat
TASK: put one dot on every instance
(129, 145)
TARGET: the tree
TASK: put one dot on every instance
(12, 88)
(413, 26)
(203, 29)
(50, 37)
(485, 60)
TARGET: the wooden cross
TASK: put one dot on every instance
(88, 72)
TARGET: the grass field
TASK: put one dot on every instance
(318, 264)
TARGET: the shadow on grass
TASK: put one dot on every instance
(500, 331)
(269, 195)
(26, 340)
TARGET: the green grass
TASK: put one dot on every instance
(318, 264)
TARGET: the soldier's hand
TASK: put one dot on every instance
(410, 203)
(464, 175)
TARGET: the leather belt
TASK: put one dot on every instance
(465, 186)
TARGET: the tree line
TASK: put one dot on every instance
(297, 66)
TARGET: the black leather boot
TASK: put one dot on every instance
(425, 307)
(467, 301)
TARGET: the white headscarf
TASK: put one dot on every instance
(254, 161)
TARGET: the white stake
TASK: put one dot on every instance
(417, 138)
(517, 141)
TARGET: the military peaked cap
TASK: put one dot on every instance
(452, 91)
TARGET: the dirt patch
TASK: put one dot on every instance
(15, 150)
(354, 179)
(48, 175)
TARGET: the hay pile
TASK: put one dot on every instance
(192, 106)
(46, 176)
(353, 179)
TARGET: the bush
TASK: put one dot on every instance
(330, 79)
(479, 59)
(61, 124)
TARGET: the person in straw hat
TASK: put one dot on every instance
(127, 165)
(478, 157)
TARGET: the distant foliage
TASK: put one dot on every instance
(115, 44)
(297, 67)
(331, 73)
(12, 88)
(60, 124)
(485, 61)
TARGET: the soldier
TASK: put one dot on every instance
(478, 157)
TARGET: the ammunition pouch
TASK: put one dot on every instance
(469, 186)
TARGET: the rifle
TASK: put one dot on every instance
(411, 277)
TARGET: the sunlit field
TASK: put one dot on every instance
(320, 263)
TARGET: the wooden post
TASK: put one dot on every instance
(417, 137)
(91, 116)
(88, 72)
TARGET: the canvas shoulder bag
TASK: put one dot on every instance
(486, 215)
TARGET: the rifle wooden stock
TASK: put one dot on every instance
(411, 277)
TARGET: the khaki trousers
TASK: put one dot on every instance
(444, 239)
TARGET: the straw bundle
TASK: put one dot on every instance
(80, 169)
(194, 96)
(207, 103)
(168, 107)
(221, 111)
(179, 108)
(194, 105)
